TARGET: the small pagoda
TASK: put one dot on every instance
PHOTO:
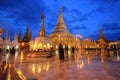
(41, 43)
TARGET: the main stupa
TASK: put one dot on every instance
(62, 35)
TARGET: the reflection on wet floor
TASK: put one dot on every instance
(88, 65)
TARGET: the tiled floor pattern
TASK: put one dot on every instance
(82, 68)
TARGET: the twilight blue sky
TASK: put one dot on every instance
(82, 17)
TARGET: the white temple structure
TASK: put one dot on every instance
(41, 43)
(6, 42)
(15, 42)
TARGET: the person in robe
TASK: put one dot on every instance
(72, 53)
(13, 51)
(61, 52)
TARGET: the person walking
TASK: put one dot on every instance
(72, 53)
(61, 53)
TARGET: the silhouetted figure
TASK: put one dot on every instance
(0, 50)
(13, 51)
(66, 51)
(61, 52)
(72, 53)
(7, 51)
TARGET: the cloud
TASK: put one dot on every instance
(111, 27)
(77, 16)
(98, 10)
(106, 1)
(80, 28)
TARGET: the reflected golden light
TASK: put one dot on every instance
(86, 52)
(7, 56)
(47, 67)
(9, 76)
(88, 60)
(68, 46)
(21, 56)
(16, 55)
(39, 69)
(69, 53)
(33, 68)
(20, 74)
(102, 60)
(81, 65)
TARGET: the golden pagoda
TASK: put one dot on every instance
(62, 35)
(41, 42)
(101, 39)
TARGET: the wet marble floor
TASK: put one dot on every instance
(83, 67)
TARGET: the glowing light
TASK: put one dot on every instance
(47, 68)
(44, 46)
(48, 45)
(7, 56)
(21, 56)
(118, 58)
(68, 46)
(22, 44)
(16, 55)
(69, 53)
(16, 47)
(56, 47)
(8, 47)
(56, 52)
(81, 65)
(63, 46)
(88, 60)
(33, 68)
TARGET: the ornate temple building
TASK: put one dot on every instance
(20, 40)
(28, 35)
(102, 42)
(41, 43)
(24, 43)
(59, 35)
(7, 42)
(62, 35)
(88, 44)
(15, 42)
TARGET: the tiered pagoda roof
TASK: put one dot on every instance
(61, 29)
(42, 30)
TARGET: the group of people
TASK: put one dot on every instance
(12, 51)
(63, 52)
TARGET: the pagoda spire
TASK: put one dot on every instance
(60, 24)
(60, 19)
(27, 36)
(7, 36)
(20, 37)
(15, 37)
(101, 36)
(42, 30)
